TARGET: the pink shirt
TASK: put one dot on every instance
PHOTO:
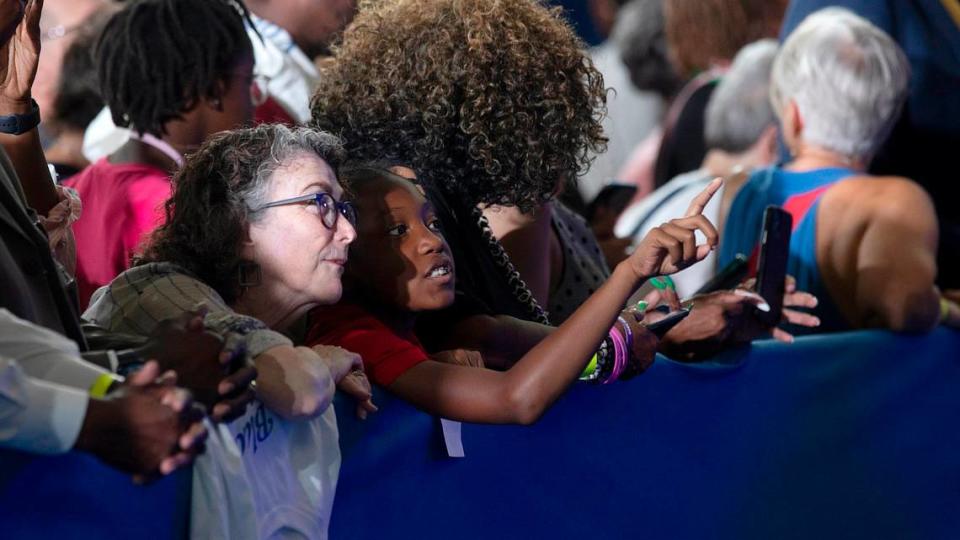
(122, 204)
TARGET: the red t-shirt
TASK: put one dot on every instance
(386, 354)
(121, 205)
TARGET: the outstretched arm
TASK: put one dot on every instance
(524, 392)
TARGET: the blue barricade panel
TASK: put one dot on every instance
(847, 436)
(74, 496)
(844, 436)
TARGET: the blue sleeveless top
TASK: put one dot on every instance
(799, 193)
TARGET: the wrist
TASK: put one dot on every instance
(18, 105)
(627, 271)
(95, 424)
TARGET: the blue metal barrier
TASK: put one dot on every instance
(75, 497)
(846, 436)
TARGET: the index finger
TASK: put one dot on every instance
(700, 201)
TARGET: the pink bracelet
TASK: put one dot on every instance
(620, 356)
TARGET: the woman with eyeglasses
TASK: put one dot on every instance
(255, 231)
(174, 72)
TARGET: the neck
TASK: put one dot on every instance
(810, 157)
(527, 240)
(258, 303)
(183, 135)
(400, 321)
(720, 163)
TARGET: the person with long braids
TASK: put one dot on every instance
(174, 72)
(496, 107)
(400, 268)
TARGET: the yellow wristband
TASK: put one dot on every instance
(944, 309)
(591, 367)
(100, 386)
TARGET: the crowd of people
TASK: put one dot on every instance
(219, 213)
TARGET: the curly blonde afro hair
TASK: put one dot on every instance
(490, 101)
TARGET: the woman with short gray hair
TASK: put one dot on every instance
(865, 246)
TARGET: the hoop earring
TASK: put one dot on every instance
(249, 274)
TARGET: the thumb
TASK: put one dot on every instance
(146, 375)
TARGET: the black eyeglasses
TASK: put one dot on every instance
(330, 208)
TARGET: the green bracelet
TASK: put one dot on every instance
(590, 371)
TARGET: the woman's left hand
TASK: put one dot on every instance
(347, 370)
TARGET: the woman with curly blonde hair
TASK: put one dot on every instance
(495, 107)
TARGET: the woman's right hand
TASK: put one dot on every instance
(671, 247)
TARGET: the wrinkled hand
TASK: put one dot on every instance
(19, 57)
(147, 427)
(459, 357)
(347, 371)
(214, 369)
(671, 247)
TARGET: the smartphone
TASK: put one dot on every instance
(614, 198)
(772, 266)
(729, 277)
(661, 327)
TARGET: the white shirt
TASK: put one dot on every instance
(43, 387)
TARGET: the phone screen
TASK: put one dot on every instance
(772, 267)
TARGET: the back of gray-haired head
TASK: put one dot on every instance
(848, 78)
(640, 36)
(739, 110)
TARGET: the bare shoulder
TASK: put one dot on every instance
(882, 196)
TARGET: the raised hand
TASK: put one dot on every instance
(19, 55)
(672, 246)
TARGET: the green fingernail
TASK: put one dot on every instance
(642, 305)
(669, 281)
(657, 284)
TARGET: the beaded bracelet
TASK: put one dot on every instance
(600, 365)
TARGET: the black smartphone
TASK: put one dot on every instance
(661, 327)
(614, 198)
(729, 277)
(772, 267)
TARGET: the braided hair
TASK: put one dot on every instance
(156, 59)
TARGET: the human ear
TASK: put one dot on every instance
(791, 123)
